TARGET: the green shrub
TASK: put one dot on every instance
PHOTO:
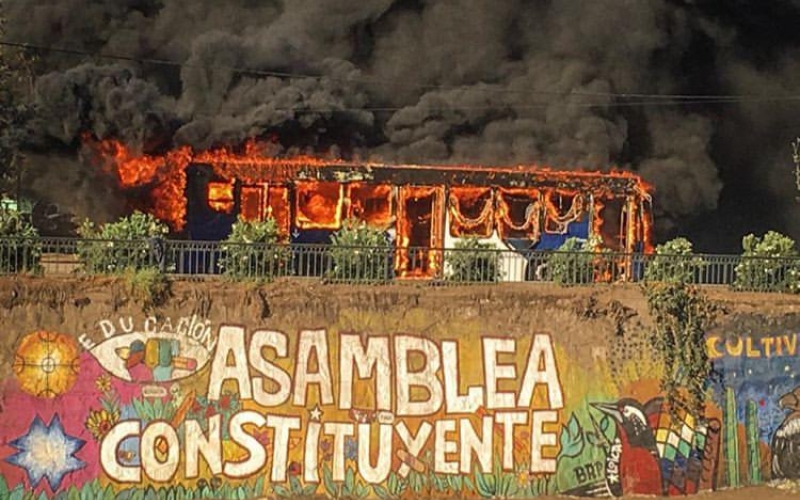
(253, 250)
(360, 253)
(20, 247)
(116, 247)
(148, 286)
(473, 262)
(768, 264)
(674, 262)
(682, 314)
(572, 263)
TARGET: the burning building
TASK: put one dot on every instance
(423, 209)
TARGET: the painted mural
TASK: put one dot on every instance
(181, 408)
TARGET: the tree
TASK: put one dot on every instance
(14, 115)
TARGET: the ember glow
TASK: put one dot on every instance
(220, 197)
(522, 202)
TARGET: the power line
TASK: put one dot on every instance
(652, 99)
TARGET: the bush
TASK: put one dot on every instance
(768, 264)
(572, 263)
(473, 262)
(674, 262)
(119, 246)
(682, 314)
(360, 253)
(149, 287)
(20, 247)
(253, 250)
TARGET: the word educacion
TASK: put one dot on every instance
(401, 368)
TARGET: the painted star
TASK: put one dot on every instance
(46, 451)
(315, 413)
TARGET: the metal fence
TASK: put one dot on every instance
(62, 257)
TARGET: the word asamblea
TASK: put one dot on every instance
(402, 368)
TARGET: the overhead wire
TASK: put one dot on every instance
(629, 99)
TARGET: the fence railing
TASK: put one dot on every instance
(62, 257)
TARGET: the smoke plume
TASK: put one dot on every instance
(566, 83)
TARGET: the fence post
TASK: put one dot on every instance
(158, 253)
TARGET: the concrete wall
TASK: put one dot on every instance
(384, 392)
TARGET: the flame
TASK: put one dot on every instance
(261, 184)
(220, 196)
(318, 205)
(372, 203)
(471, 211)
(277, 207)
(518, 213)
(419, 231)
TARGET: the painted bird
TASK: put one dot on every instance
(786, 439)
(632, 466)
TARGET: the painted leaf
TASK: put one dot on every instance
(349, 480)
(87, 492)
(468, 484)
(17, 493)
(392, 483)
(380, 491)
(3, 487)
(124, 494)
(281, 491)
(574, 426)
(609, 431)
(258, 488)
(181, 492)
(327, 480)
(571, 446)
(309, 490)
(296, 487)
(416, 481)
(72, 493)
(361, 490)
(484, 483)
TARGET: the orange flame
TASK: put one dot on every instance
(220, 196)
(323, 204)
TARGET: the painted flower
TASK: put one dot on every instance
(262, 436)
(327, 449)
(294, 469)
(350, 448)
(103, 383)
(100, 422)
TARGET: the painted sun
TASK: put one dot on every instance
(46, 364)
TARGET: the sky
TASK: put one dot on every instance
(698, 97)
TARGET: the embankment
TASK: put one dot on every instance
(303, 389)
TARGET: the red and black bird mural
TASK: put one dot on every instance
(632, 465)
(658, 453)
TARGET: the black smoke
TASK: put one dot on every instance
(567, 83)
